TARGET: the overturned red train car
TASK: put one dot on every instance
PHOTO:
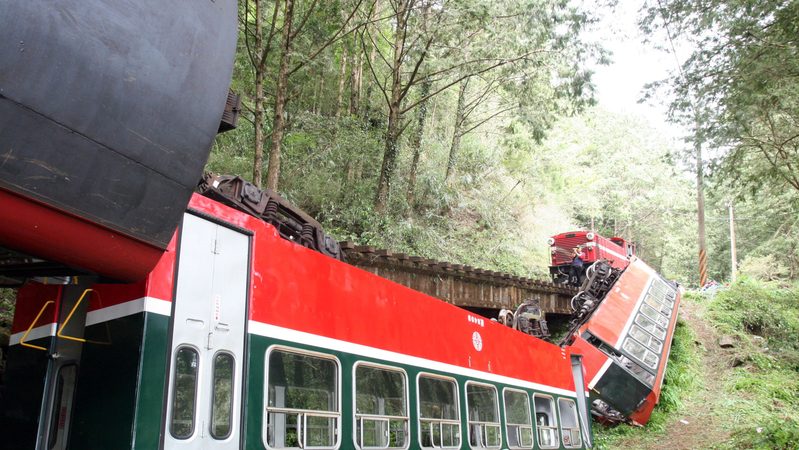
(624, 325)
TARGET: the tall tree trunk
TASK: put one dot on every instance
(258, 115)
(367, 110)
(394, 114)
(342, 78)
(456, 134)
(258, 124)
(281, 91)
(356, 81)
(416, 143)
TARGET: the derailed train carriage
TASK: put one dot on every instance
(624, 324)
(241, 338)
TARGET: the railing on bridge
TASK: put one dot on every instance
(458, 284)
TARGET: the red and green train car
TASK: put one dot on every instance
(241, 339)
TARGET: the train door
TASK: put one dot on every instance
(204, 396)
(62, 371)
(582, 400)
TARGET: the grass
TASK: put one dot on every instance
(762, 401)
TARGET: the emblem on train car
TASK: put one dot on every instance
(477, 341)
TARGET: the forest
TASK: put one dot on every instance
(469, 131)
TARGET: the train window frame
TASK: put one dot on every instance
(630, 341)
(483, 424)
(301, 413)
(555, 426)
(419, 417)
(650, 339)
(232, 405)
(571, 429)
(407, 418)
(654, 314)
(529, 425)
(173, 391)
(660, 331)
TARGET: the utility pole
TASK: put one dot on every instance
(700, 206)
(734, 268)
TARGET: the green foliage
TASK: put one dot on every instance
(763, 401)
(614, 172)
(751, 308)
(767, 233)
(739, 83)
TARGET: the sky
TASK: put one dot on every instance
(620, 85)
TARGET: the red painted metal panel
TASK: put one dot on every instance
(30, 300)
(294, 287)
(593, 358)
(47, 233)
(613, 313)
(593, 250)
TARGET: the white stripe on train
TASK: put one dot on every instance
(164, 308)
(149, 304)
(606, 249)
(287, 334)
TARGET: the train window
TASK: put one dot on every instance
(518, 425)
(655, 315)
(222, 402)
(184, 392)
(483, 415)
(439, 417)
(664, 307)
(545, 421)
(641, 353)
(569, 425)
(645, 338)
(381, 407)
(650, 326)
(303, 408)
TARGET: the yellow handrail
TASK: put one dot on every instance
(66, 321)
(25, 336)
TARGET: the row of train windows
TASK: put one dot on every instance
(645, 338)
(304, 409)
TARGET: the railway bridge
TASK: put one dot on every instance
(484, 291)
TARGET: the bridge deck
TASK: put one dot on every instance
(460, 285)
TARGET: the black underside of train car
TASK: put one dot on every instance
(621, 390)
(108, 108)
